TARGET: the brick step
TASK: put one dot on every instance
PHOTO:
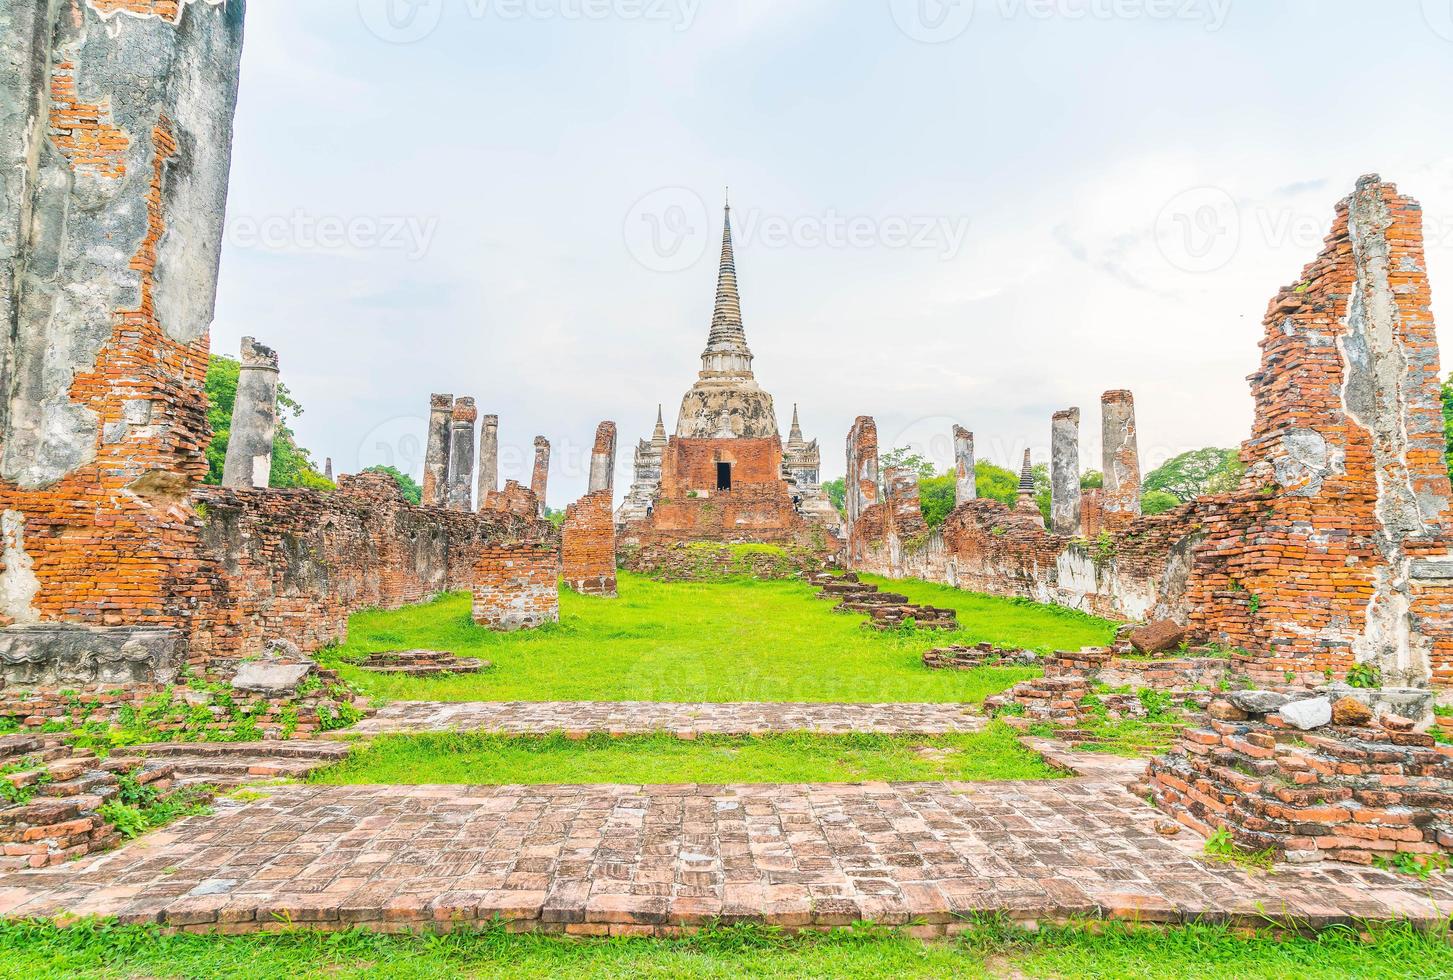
(314, 750)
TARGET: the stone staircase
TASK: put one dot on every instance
(230, 764)
(885, 610)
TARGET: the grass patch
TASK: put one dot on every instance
(743, 641)
(38, 952)
(474, 758)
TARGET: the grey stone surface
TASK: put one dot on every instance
(1258, 702)
(603, 458)
(488, 458)
(966, 481)
(540, 474)
(1121, 453)
(270, 677)
(1308, 714)
(461, 454)
(436, 451)
(254, 420)
(1412, 703)
(69, 232)
(55, 655)
(1064, 473)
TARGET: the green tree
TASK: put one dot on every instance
(1448, 422)
(904, 458)
(837, 492)
(292, 466)
(1196, 473)
(997, 483)
(937, 496)
(412, 492)
(1154, 502)
(1092, 480)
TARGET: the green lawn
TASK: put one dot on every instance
(994, 754)
(738, 641)
(35, 952)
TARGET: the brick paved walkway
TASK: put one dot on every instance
(642, 717)
(626, 859)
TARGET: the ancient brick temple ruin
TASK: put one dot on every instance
(117, 564)
(726, 475)
(1334, 549)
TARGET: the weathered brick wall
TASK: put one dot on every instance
(517, 586)
(757, 509)
(1333, 552)
(588, 545)
(297, 563)
(103, 362)
(513, 499)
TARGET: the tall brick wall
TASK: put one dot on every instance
(1334, 550)
(758, 508)
(297, 563)
(588, 545)
(517, 586)
(110, 272)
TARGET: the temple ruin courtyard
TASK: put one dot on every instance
(1007, 532)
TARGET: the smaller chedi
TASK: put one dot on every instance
(726, 475)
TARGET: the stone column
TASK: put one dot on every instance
(254, 420)
(461, 454)
(1121, 455)
(488, 457)
(328, 468)
(1064, 473)
(540, 478)
(115, 152)
(603, 458)
(436, 452)
(966, 487)
(862, 478)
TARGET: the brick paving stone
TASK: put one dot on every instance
(600, 859)
(581, 718)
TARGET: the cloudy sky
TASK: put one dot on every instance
(946, 211)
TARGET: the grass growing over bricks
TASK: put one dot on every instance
(739, 641)
(994, 754)
(38, 952)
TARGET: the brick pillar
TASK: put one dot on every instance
(328, 467)
(436, 452)
(603, 458)
(488, 458)
(862, 481)
(966, 485)
(254, 420)
(1064, 473)
(115, 152)
(905, 508)
(517, 586)
(540, 478)
(1121, 455)
(588, 545)
(461, 454)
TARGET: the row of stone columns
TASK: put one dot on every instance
(1121, 493)
(450, 462)
(1120, 457)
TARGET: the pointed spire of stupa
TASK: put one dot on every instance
(658, 437)
(794, 438)
(1026, 476)
(726, 348)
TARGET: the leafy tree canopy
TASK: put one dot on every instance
(1196, 473)
(1092, 480)
(412, 492)
(906, 459)
(292, 466)
(1154, 502)
(837, 492)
